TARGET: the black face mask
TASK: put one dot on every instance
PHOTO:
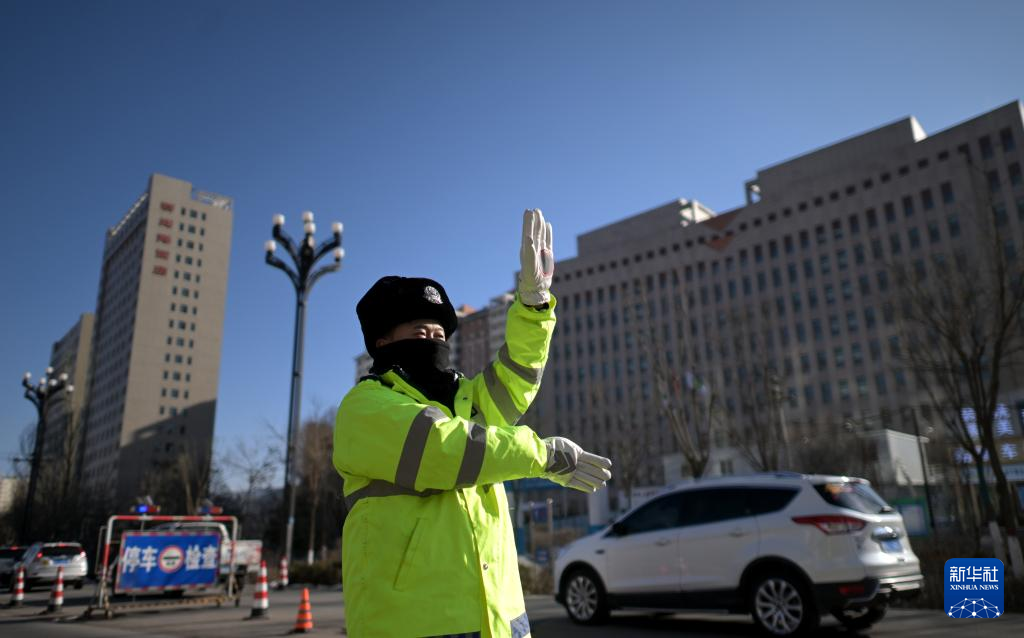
(425, 362)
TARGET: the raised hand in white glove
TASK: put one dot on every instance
(572, 466)
(537, 260)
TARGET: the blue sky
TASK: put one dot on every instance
(426, 127)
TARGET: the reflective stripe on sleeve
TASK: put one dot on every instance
(530, 375)
(473, 457)
(520, 626)
(500, 396)
(383, 488)
(415, 443)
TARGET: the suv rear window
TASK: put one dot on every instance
(854, 496)
(11, 553)
(62, 550)
(765, 500)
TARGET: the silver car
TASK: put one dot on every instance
(41, 561)
(9, 555)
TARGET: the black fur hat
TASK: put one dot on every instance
(394, 300)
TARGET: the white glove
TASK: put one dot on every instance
(537, 260)
(571, 466)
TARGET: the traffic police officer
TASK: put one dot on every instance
(428, 546)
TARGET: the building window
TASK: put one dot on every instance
(914, 238)
(883, 281)
(927, 201)
(1015, 177)
(908, 206)
(999, 213)
(947, 192)
(993, 181)
(985, 144)
(1006, 140)
(953, 223)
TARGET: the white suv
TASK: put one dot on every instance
(41, 561)
(784, 547)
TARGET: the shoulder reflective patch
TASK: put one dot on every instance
(520, 626)
(473, 457)
(500, 396)
(415, 443)
(528, 374)
(383, 488)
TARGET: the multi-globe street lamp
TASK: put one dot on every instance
(40, 395)
(303, 274)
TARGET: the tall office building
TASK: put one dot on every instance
(796, 281)
(157, 338)
(481, 334)
(70, 355)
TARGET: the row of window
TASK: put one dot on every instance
(185, 292)
(191, 229)
(180, 342)
(984, 143)
(789, 243)
(184, 308)
(191, 213)
(927, 201)
(173, 393)
(174, 375)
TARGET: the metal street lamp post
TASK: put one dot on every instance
(40, 395)
(924, 469)
(304, 256)
(775, 388)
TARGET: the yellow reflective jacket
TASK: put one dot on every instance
(428, 546)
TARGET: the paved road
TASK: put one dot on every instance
(546, 617)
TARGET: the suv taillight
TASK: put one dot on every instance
(832, 524)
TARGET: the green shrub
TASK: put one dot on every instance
(319, 573)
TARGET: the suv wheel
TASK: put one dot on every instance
(860, 618)
(781, 605)
(584, 598)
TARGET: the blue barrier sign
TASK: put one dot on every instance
(160, 561)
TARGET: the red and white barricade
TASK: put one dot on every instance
(260, 595)
(57, 593)
(18, 594)
(282, 580)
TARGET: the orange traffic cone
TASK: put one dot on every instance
(18, 596)
(57, 593)
(260, 599)
(304, 619)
